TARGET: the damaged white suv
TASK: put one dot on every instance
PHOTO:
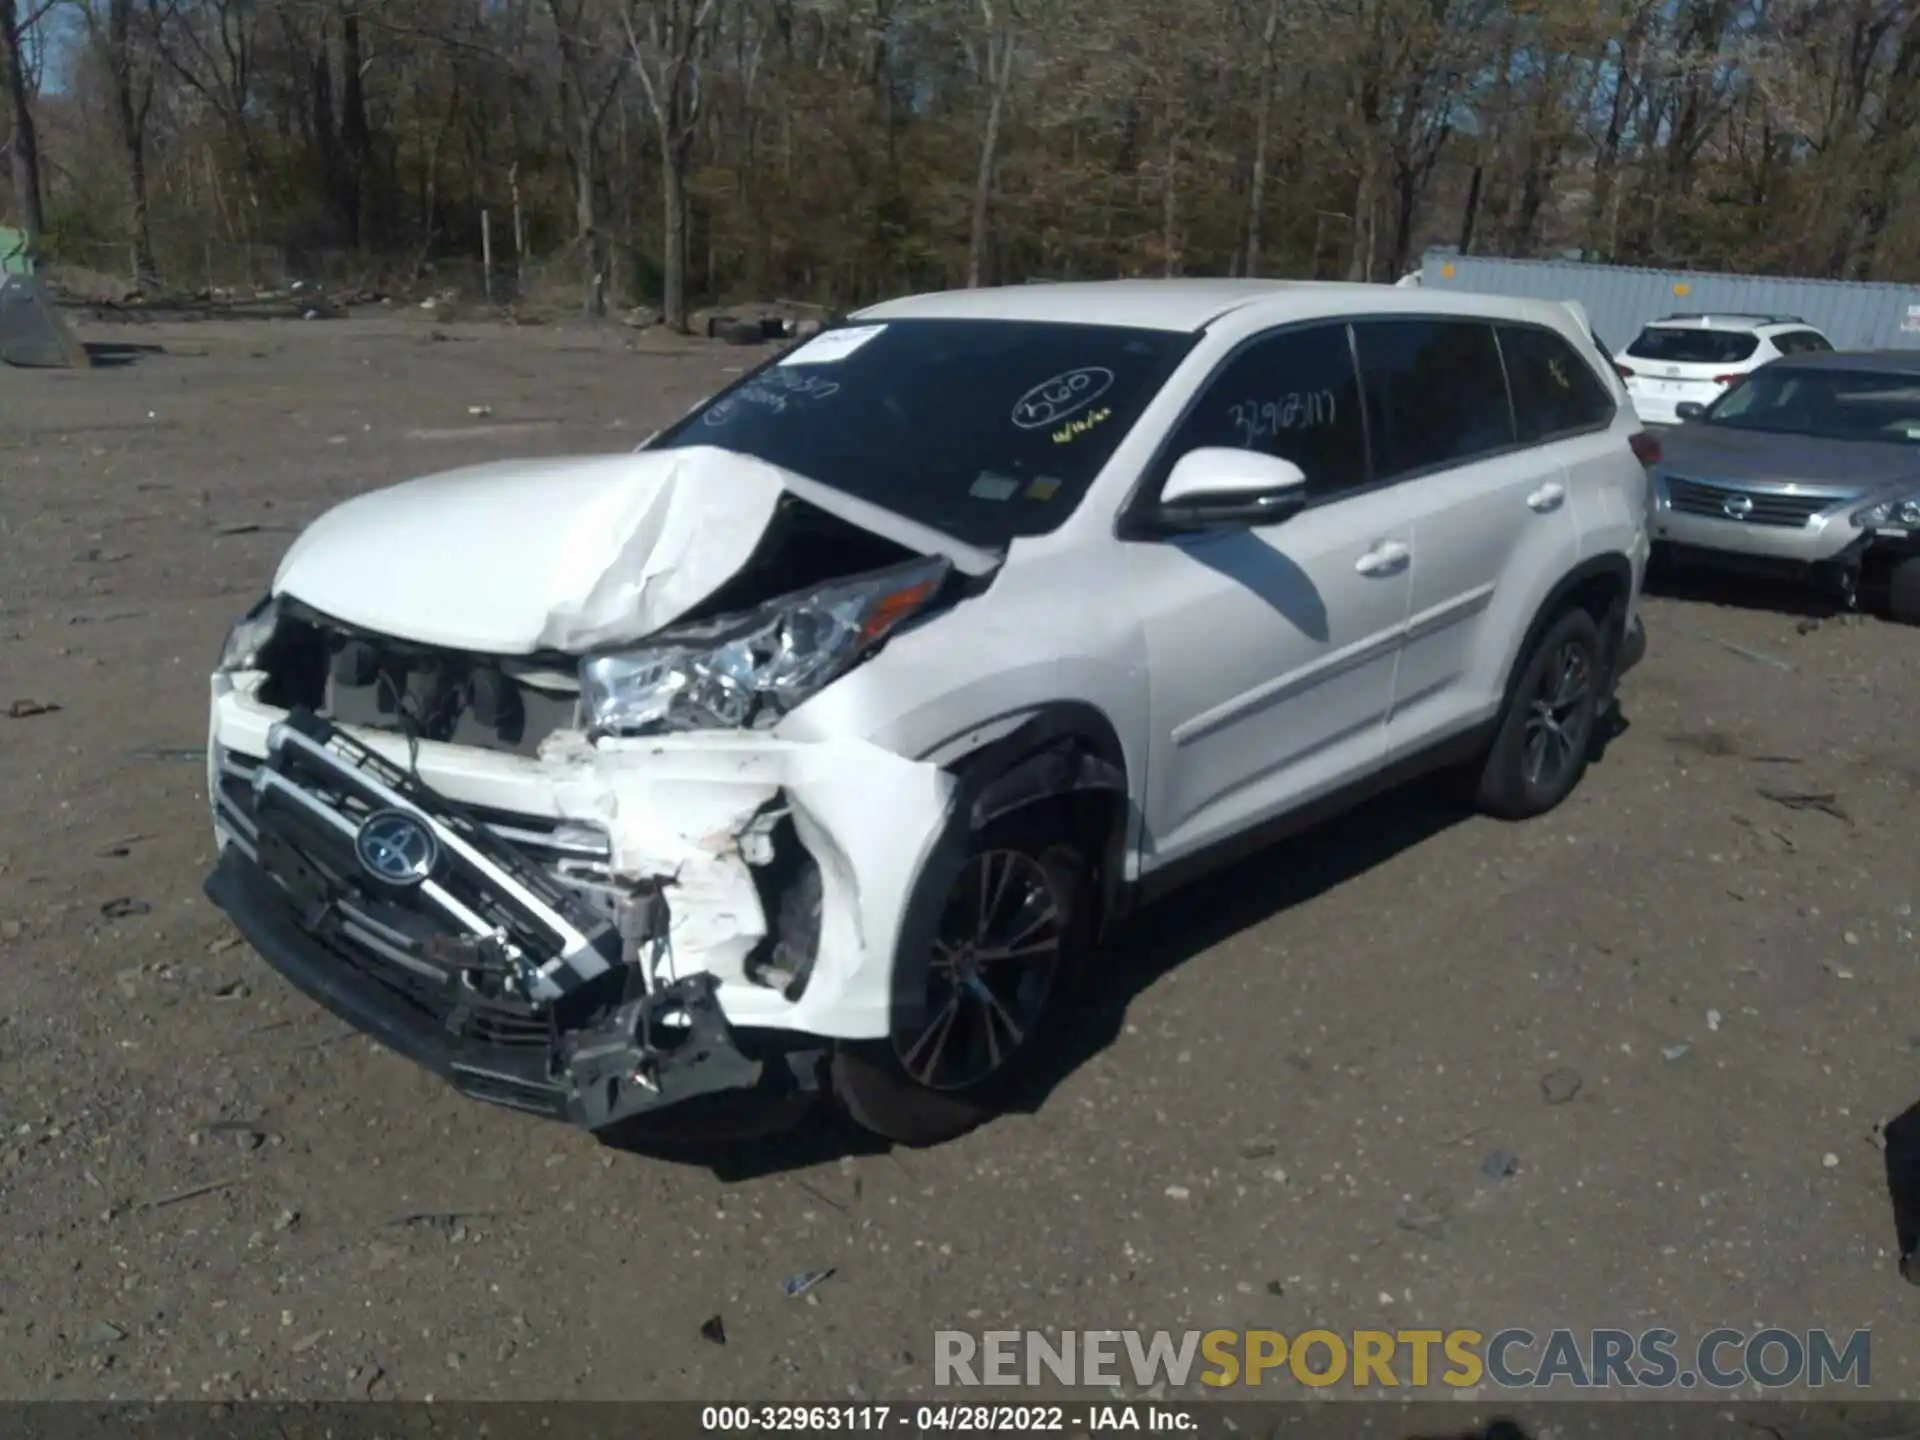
(814, 744)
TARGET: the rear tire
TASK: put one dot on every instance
(1014, 935)
(1546, 733)
(1903, 592)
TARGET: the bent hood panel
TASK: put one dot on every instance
(566, 554)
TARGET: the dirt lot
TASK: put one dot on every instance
(1281, 1117)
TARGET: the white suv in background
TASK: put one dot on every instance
(815, 744)
(1695, 359)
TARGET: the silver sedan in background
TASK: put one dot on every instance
(1809, 468)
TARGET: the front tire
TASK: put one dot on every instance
(1011, 944)
(1545, 737)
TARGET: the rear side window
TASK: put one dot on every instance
(1435, 393)
(1677, 345)
(1801, 342)
(1554, 390)
(1293, 395)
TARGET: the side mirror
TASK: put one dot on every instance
(1689, 410)
(1219, 485)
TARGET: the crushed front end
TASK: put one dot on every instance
(589, 934)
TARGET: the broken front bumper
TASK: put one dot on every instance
(472, 962)
(592, 964)
(602, 1086)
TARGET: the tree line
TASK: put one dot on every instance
(661, 151)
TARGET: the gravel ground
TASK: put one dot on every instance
(1678, 1005)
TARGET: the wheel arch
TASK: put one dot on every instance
(1600, 585)
(1061, 754)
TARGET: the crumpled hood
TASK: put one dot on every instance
(566, 554)
(1720, 452)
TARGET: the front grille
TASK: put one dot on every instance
(1697, 497)
(385, 940)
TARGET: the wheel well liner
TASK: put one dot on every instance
(1066, 754)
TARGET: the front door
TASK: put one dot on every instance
(1271, 651)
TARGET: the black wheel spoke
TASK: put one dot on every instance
(1575, 679)
(937, 1032)
(1558, 716)
(1045, 917)
(1018, 952)
(993, 1018)
(1536, 752)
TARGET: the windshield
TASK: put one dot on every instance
(1825, 404)
(983, 429)
(1674, 345)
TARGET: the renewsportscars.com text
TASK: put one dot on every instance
(1514, 1359)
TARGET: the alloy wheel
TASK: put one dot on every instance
(1559, 716)
(994, 961)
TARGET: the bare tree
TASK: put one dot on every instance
(1262, 133)
(592, 67)
(665, 51)
(842, 149)
(17, 37)
(997, 48)
(129, 57)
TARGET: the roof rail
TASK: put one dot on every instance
(1734, 315)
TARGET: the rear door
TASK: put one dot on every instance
(1489, 509)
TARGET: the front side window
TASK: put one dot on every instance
(1824, 404)
(1688, 345)
(1554, 390)
(1292, 395)
(1436, 394)
(985, 430)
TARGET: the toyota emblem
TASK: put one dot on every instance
(396, 848)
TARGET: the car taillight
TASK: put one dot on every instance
(1626, 371)
(1646, 449)
(1728, 379)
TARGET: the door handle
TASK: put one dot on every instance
(1548, 497)
(1389, 557)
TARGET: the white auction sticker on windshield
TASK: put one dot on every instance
(830, 347)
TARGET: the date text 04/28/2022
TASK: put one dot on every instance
(919, 1419)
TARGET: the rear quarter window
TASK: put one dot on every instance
(1555, 391)
(1675, 345)
(1801, 342)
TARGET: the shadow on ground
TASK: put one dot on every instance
(743, 1137)
(1707, 585)
(103, 355)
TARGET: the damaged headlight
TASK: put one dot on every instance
(249, 637)
(1903, 513)
(749, 669)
